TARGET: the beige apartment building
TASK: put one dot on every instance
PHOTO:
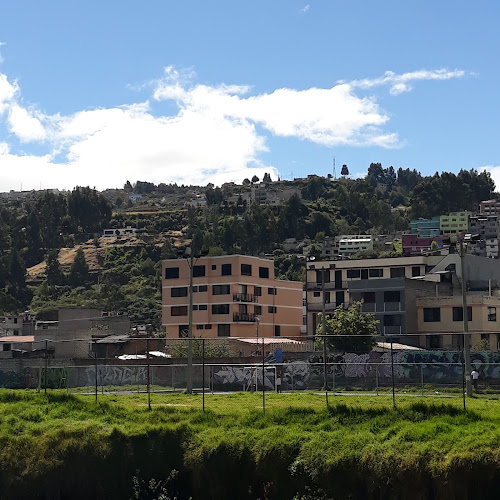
(233, 296)
(444, 315)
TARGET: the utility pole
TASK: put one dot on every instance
(189, 381)
(468, 384)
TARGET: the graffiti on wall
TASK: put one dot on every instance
(115, 375)
(242, 377)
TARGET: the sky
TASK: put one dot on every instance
(196, 91)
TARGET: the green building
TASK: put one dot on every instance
(454, 224)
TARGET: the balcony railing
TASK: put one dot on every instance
(244, 317)
(244, 297)
(312, 285)
(318, 306)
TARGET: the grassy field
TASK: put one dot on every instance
(63, 445)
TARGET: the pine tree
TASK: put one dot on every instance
(79, 272)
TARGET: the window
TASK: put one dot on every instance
(246, 270)
(271, 291)
(432, 314)
(171, 273)
(415, 271)
(317, 294)
(226, 270)
(220, 309)
(364, 274)
(392, 296)
(199, 327)
(195, 307)
(208, 327)
(202, 288)
(397, 272)
(368, 297)
(376, 273)
(339, 298)
(277, 330)
(271, 309)
(257, 310)
(179, 311)
(198, 271)
(221, 289)
(492, 313)
(392, 320)
(257, 291)
(214, 267)
(202, 307)
(458, 313)
(183, 330)
(320, 273)
(263, 272)
(180, 291)
(353, 273)
(195, 289)
(223, 330)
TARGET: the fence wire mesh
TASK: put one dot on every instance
(271, 372)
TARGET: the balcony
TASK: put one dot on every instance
(318, 306)
(372, 307)
(244, 318)
(312, 285)
(244, 297)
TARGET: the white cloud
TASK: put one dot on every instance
(211, 138)
(7, 92)
(305, 9)
(494, 170)
(26, 126)
(401, 83)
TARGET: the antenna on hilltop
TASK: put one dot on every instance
(334, 175)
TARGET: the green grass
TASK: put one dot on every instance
(298, 441)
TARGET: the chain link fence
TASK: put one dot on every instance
(273, 372)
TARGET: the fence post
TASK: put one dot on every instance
(147, 373)
(325, 374)
(203, 371)
(95, 368)
(376, 378)
(263, 378)
(422, 378)
(333, 376)
(39, 375)
(464, 387)
(392, 377)
(46, 365)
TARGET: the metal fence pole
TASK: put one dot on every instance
(46, 365)
(376, 378)
(392, 377)
(325, 374)
(464, 386)
(95, 368)
(422, 378)
(263, 375)
(147, 373)
(333, 376)
(203, 371)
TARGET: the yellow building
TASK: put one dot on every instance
(233, 296)
(454, 224)
(444, 315)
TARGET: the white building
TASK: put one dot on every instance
(350, 244)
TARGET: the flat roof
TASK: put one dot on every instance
(18, 338)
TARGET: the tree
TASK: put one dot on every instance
(255, 179)
(349, 330)
(267, 178)
(79, 272)
(53, 271)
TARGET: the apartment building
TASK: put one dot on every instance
(371, 281)
(489, 207)
(233, 296)
(426, 228)
(444, 315)
(454, 224)
(351, 244)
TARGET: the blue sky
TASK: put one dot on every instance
(97, 93)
